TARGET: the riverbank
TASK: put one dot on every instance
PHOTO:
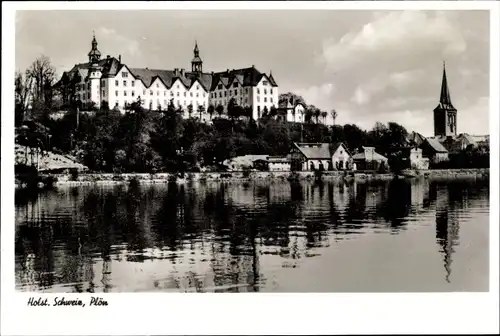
(88, 179)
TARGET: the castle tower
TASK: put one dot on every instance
(196, 63)
(95, 73)
(94, 53)
(445, 115)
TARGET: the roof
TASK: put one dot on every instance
(362, 155)
(318, 150)
(436, 145)
(415, 138)
(109, 66)
(277, 159)
(245, 160)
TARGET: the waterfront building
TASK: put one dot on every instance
(111, 81)
(317, 156)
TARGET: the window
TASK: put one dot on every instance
(225, 93)
(178, 102)
(133, 83)
(258, 91)
(197, 94)
(258, 99)
(235, 92)
(190, 94)
(265, 99)
(177, 86)
(220, 94)
(157, 93)
(264, 82)
(265, 91)
(133, 93)
(124, 83)
(124, 93)
(246, 90)
(219, 87)
(103, 83)
(150, 92)
(235, 84)
(177, 94)
(88, 95)
(271, 99)
(116, 83)
(143, 92)
(271, 89)
(184, 103)
(203, 95)
(103, 93)
(116, 93)
(197, 87)
(185, 94)
(171, 94)
(157, 85)
(124, 74)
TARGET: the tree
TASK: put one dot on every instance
(22, 87)
(190, 110)
(324, 114)
(201, 110)
(219, 109)
(42, 75)
(308, 115)
(211, 110)
(334, 115)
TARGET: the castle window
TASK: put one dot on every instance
(171, 94)
(265, 91)
(103, 93)
(164, 93)
(258, 91)
(116, 93)
(271, 99)
(235, 84)
(235, 92)
(165, 102)
(124, 93)
(271, 89)
(177, 86)
(197, 87)
(225, 93)
(258, 99)
(264, 82)
(203, 95)
(133, 83)
(124, 74)
(265, 99)
(185, 94)
(219, 87)
(197, 94)
(191, 94)
(246, 90)
(103, 83)
(220, 94)
(157, 93)
(88, 95)
(124, 83)
(177, 94)
(157, 85)
(144, 92)
(150, 92)
(117, 83)
(133, 93)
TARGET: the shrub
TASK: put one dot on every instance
(74, 175)
(246, 171)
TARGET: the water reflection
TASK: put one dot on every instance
(231, 237)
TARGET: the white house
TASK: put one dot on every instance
(109, 80)
(319, 156)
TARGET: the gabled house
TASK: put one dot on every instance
(319, 156)
(434, 150)
(369, 159)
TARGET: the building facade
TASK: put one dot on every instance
(445, 114)
(111, 81)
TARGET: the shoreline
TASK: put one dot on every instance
(239, 176)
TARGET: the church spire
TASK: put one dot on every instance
(445, 92)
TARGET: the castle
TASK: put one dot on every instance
(112, 81)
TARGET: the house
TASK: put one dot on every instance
(292, 111)
(369, 159)
(415, 138)
(319, 156)
(414, 159)
(246, 161)
(434, 150)
(261, 164)
(276, 163)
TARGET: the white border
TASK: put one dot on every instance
(247, 313)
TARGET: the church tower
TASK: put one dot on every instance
(196, 63)
(94, 75)
(445, 115)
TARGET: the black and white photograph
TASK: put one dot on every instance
(248, 151)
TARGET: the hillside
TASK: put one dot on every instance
(47, 161)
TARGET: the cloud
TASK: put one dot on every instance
(319, 96)
(110, 36)
(401, 37)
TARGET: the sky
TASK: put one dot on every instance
(367, 65)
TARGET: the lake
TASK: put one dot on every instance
(396, 236)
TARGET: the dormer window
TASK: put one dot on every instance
(265, 82)
(124, 74)
(235, 84)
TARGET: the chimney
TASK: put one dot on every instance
(182, 72)
(176, 72)
(119, 58)
(107, 56)
(227, 71)
(212, 73)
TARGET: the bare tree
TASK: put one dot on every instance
(22, 92)
(42, 74)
